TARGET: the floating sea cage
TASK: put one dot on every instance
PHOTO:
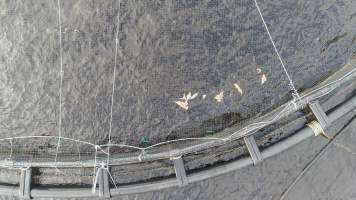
(189, 90)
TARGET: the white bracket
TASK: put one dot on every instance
(319, 114)
(253, 149)
(25, 183)
(102, 179)
(180, 171)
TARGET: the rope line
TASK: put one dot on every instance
(11, 149)
(317, 129)
(94, 168)
(112, 179)
(61, 79)
(114, 78)
(291, 84)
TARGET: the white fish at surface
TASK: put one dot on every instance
(263, 79)
(238, 88)
(183, 104)
(219, 98)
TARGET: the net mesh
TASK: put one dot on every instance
(124, 81)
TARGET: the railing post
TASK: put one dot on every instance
(253, 149)
(102, 180)
(180, 171)
(25, 183)
(319, 114)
